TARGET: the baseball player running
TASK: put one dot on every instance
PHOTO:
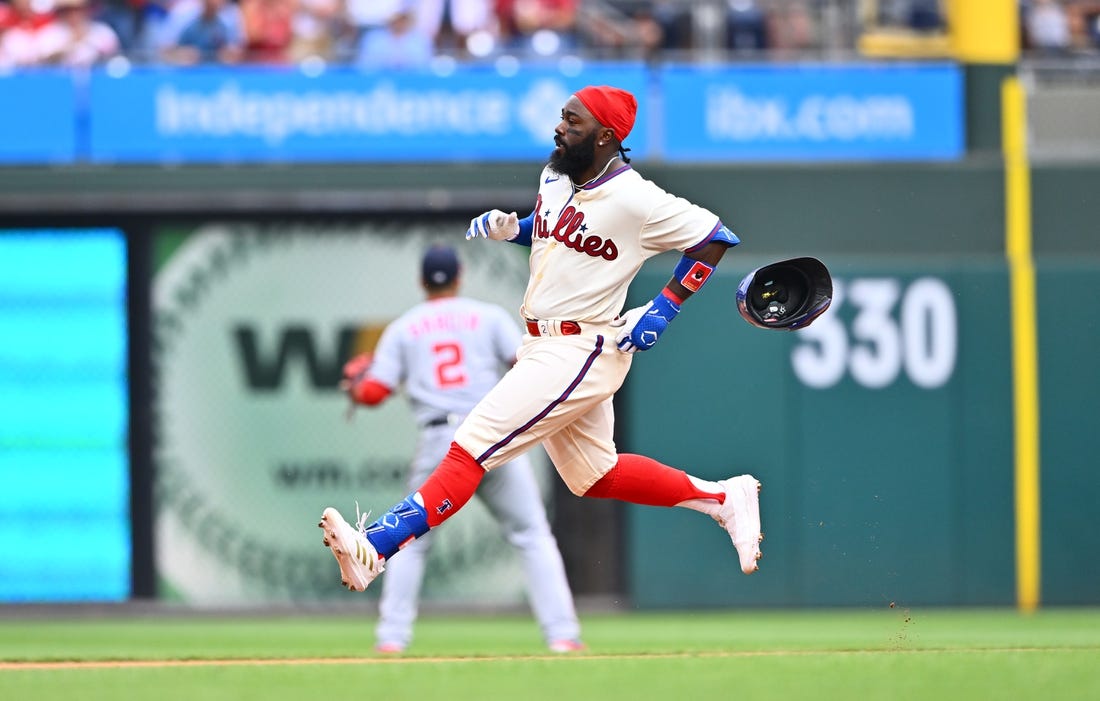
(447, 352)
(595, 221)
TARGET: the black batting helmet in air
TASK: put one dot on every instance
(786, 295)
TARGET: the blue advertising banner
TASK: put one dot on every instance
(37, 117)
(812, 112)
(341, 115)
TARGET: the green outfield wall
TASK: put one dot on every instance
(882, 436)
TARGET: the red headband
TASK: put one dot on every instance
(612, 107)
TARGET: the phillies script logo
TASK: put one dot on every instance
(571, 230)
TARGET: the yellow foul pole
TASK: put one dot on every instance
(1025, 363)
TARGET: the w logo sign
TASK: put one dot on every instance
(265, 365)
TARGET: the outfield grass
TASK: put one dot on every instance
(940, 655)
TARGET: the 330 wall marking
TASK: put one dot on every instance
(878, 330)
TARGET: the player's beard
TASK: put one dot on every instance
(574, 160)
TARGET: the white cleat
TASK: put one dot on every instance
(740, 516)
(358, 560)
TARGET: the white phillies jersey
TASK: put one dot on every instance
(448, 353)
(587, 245)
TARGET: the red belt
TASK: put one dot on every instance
(568, 328)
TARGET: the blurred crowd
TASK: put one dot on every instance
(389, 34)
(1060, 27)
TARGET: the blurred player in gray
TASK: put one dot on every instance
(447, 352)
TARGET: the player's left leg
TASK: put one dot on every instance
(584, 454)
(734, 503)
(511, 493)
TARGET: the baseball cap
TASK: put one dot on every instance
(440, 265)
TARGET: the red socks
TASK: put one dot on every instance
(641, 480)
(451, 485)
(635, 479)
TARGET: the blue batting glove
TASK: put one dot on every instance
(642, 326)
